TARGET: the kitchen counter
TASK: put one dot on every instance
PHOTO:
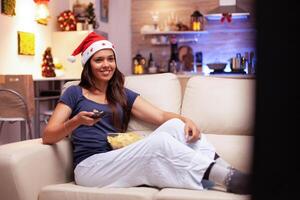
(221, 75)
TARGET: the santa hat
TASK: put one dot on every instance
(90, 45)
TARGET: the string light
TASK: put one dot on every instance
(42, 11)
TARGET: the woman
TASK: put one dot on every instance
(174, 155)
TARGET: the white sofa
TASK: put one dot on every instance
(222, 107)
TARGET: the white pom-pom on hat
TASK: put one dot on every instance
(71, 59)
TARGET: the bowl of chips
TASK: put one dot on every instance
(119, 140)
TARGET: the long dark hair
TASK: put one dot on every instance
(115, 94)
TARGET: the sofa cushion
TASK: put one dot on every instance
(162, 90)
(184, 194)
(235, 149)
(220, 105)
(70, 191)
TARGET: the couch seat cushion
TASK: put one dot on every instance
(70, 191)
(184, 194)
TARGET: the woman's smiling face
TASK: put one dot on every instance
(103, 64)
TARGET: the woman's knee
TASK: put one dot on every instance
(160, 140)
(175, 123)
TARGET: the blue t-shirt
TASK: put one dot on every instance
(90, 140)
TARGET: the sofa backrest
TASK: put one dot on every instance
(220, 105)
(162, 90)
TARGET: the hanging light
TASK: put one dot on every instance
(42, 11)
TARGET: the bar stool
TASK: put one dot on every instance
(13, 108)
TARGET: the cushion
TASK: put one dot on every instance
(184, 194)
(162, 90)
(70, 191)
(220, 105)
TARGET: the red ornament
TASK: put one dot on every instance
(66, 21)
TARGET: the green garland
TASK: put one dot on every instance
(8, 7)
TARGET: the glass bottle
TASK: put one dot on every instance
(151, 65)
(150, 60)
(173, 61)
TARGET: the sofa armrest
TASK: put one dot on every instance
(27, 166)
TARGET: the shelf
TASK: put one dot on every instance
(173, 32)
(180, 40)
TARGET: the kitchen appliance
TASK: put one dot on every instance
(238, 64)
(225, 8)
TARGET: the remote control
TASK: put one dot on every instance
(97, 114)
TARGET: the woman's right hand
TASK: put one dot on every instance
(85, 118)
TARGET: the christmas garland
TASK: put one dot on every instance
(66, 21)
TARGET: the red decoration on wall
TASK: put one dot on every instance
(66, 21)
(226, 17)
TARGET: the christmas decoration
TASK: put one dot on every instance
(90, 14)
(90, 45)
(8, 7)
(79, 10)
(48, 68)
(67, 21)
(226, 16)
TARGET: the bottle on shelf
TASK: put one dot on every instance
(199, 61)
(151, 65)
(150, 60)
(174, 60)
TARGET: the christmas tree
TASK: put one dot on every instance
(48, 65)
(90, 14)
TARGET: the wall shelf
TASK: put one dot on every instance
(161, 38)
(174, 32)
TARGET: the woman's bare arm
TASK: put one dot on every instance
(60, 125)
(145, 111)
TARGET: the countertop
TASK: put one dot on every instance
(221, 75)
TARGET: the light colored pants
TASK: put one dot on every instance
(162, 159)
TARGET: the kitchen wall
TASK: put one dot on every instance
(11, 62)
(220, 42)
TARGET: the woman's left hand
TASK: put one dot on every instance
(192, 132)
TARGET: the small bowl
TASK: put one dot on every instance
(217, 66)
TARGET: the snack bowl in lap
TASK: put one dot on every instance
(119, 140)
